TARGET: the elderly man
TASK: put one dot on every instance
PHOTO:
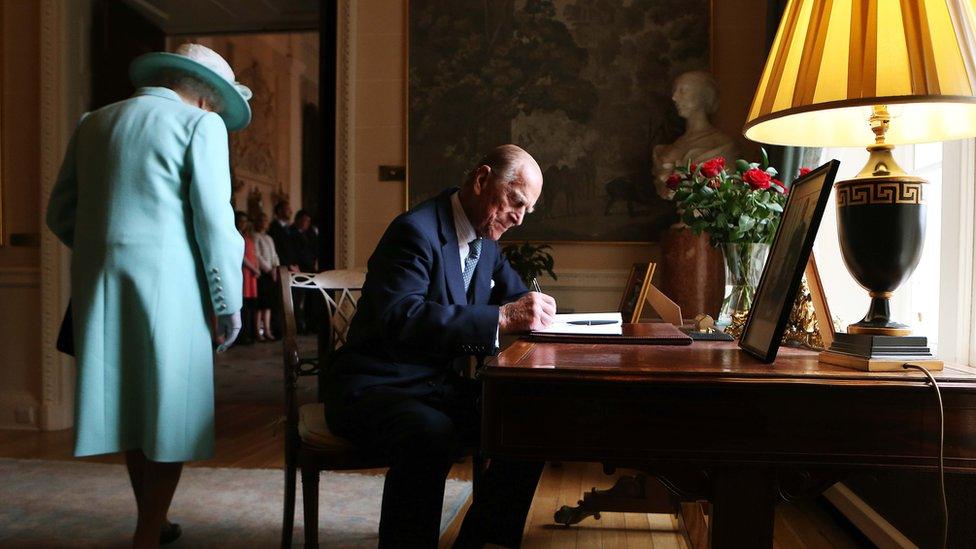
(143, 201)
(438, 289)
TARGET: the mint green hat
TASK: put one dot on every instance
(206, 65)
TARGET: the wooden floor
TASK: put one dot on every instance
(248, 437)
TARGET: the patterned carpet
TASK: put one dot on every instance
(253, 373)
(78, 504)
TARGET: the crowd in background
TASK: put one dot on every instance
(268, 244)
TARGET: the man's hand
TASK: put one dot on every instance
(533, 311)
(228, 326)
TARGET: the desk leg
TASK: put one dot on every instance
(743, 506)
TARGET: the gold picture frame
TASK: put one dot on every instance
(825, 322)
(635, 292)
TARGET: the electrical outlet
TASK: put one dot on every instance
(393, 173)
(26, 414)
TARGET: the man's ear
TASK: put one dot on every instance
(481, 179)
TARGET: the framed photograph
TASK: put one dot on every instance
(786, 263)
(635, 292)
(585, 87)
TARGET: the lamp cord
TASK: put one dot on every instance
(942, 490)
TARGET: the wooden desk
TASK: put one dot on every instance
(713, 423)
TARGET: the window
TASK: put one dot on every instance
(937, 299)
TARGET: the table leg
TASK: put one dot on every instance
(743, 506)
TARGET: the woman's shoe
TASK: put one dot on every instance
(170, 533)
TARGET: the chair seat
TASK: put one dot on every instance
(314, 431)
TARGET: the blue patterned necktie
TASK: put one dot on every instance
(470, 262)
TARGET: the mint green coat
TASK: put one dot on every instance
(143, 201)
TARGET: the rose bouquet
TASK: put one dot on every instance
(740, 205)
(740, 208)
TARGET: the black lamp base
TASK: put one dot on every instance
(878, 320)
(878, 353)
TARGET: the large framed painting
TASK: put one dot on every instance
(583, 86)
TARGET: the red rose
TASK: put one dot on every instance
(711, 168)
(757, 179)
(804, 171)
(692, 168)
(673, 182)
(778, 183)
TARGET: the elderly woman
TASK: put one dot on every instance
(143, 201)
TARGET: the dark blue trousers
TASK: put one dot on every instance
(423, 437)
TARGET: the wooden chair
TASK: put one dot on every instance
(309, 445)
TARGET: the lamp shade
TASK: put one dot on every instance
(832, 60)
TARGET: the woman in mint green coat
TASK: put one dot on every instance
(143, 201)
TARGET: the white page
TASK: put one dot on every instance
(562, 326)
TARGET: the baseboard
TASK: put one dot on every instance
(19, 410)
(881, 532)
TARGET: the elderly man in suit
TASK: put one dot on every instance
(438, 290)
(143, 201)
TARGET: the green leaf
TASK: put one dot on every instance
(765, 157)
(775, 207)
(741, 166)
(746, 223)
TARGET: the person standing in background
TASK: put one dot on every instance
(250, 273)
(268, 262)
(305, 245)
(143, 201)
(280, 233)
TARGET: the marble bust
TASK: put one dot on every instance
(696, 97)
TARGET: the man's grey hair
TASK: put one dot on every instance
(187, 84)
(504, 161)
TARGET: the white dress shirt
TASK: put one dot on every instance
(463, 228)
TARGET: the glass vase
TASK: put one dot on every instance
(743, 267)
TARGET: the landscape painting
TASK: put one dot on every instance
(583, 85)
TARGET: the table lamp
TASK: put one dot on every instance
(874, 73)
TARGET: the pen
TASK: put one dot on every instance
(591, 322)
(535, 285)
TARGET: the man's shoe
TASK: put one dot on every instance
(170, 533)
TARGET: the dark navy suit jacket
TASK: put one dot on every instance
(414, 317)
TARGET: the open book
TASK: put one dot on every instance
(585, 324)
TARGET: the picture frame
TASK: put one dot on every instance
(635, 292)
(786, 263)
(825, 322)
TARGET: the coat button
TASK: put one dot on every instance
(220, 288)
(214, 270)
(216, 279)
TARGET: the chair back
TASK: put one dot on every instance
(341, 290)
